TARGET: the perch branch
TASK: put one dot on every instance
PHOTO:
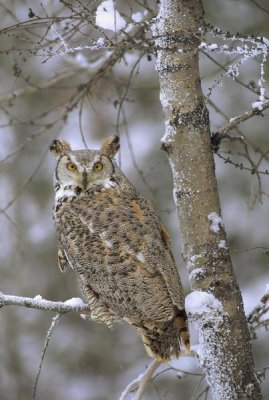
(72, 305)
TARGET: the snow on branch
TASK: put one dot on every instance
(203, 308)
(259, 317)
(200, 303)
(108, 17)
(257, 108)
(72, 305)
(246, 47)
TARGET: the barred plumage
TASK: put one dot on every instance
(113, 239)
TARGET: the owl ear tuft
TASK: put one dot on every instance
(110, 146)
(59, 147)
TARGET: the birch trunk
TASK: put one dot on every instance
(216, 304)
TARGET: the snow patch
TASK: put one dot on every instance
(222, 244)
(100, 42)
(196, 273)
(212, 46)
(200, 303)
(202, 45)
(199, 349)
(191, 263)
(258, 105)
(108, 17)
(139, 16)
(231, 120)
(209, 47)
(38, 297)
(75, 302)
(206, 313)
(216, 222)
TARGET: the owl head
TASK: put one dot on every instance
(79, 170)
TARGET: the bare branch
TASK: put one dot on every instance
(141, 382)
(43, 85)
(54, 323)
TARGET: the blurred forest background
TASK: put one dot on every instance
(38, 94)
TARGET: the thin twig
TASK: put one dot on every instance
(80, 124)
(235, 78)
(54, 323)
(265, 250)
(146, 378)
(197, 387)
(43, 85)
(140, 382)
(243, 117)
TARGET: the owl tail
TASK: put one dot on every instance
(166, 341)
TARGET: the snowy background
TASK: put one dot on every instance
(85, 360)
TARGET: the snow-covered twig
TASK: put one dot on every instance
(72, 305)
(246, 47)
(256, 109)
(256, 318)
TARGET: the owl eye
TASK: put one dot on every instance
(98, 166)
(71, 166)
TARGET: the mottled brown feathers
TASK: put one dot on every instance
(113, 239)
(62, 261)
(110, 146)
(182, 329)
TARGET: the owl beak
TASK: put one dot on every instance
(85, 180)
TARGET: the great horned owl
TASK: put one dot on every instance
(120, 252)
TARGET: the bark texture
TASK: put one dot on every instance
(225, 350)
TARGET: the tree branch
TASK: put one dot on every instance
(140, 382)
(71, 305)
(54, 323)
(255, 317)
(243, 117)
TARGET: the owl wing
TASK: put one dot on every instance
(118, 246)
(166, 264)
(62, 260)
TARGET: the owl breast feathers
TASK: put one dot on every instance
(114, 241)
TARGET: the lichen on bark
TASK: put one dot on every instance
(226, 352)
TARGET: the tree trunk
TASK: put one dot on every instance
(215, 305)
